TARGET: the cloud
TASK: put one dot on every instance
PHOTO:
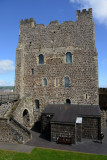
(6, 66)
(99, 8)
(4, 83)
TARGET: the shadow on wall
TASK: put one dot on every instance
(37, 127)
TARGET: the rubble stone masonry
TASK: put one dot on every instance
(53, 42)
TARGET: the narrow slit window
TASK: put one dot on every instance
(56, 82)
(32, 71)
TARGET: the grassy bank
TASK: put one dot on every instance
(48, 154)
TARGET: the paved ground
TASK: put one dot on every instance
(88, 146)
(85, 146)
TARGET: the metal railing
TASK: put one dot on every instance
(9, 97)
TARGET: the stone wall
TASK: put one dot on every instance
(91, 127)
(53, 41)
(64, 130)
(103, 118)
(5, 107)
(78, 132)
(27, 103)
(11, 133)
(46, 125)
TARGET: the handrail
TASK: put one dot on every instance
(9, 97)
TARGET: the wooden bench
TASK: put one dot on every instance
(65, 140)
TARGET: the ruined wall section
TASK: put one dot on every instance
(53, 41)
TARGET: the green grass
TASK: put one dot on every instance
(48, 154)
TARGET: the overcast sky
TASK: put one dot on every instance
(44, 11)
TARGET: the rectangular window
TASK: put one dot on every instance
(56, 82)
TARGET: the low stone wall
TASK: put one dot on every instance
(91, 128)
(7, 133)
(64, 130)
(10, 133)
(21, 129)
(5, 107)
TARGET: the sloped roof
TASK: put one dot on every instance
(69, 112)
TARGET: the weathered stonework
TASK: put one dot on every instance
(27, 103)
(54, 41)
(91, 127)
(5, 107)
(12, 131)
(62, 130)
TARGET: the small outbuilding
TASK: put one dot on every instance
(71, 121)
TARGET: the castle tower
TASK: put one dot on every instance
(58, 63)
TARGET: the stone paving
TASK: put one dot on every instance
(86, 146)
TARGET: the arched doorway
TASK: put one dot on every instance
(26, 119)
(68, 101)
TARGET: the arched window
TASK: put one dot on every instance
(45, 82)
(68, 101)
(68, 57)
(66, 81)
(37, 104)
(41, 59)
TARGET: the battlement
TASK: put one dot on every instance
(26, 21)
(54, 22)
(84, 12)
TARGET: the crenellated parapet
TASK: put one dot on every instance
(26, 21)
(84, 13)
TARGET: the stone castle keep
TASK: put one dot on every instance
(56, 76)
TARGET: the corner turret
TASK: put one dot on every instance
(84, 13)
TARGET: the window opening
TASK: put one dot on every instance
(37, 104)
(45, 82)
(66, 81)
(41, 59)
(68, 57)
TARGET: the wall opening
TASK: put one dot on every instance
(68, 101)
(36, 104)
(26, 119)
(68, 57)
(41, 59)
(66, 81)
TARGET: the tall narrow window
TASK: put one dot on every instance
(56, 82)
(45, 82)
(66, 81)
(36, 104)
(32, 71)
(68, 57)
(41, 59)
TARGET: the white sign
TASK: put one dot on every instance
(79, 120)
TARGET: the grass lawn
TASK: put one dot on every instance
(48, 154)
